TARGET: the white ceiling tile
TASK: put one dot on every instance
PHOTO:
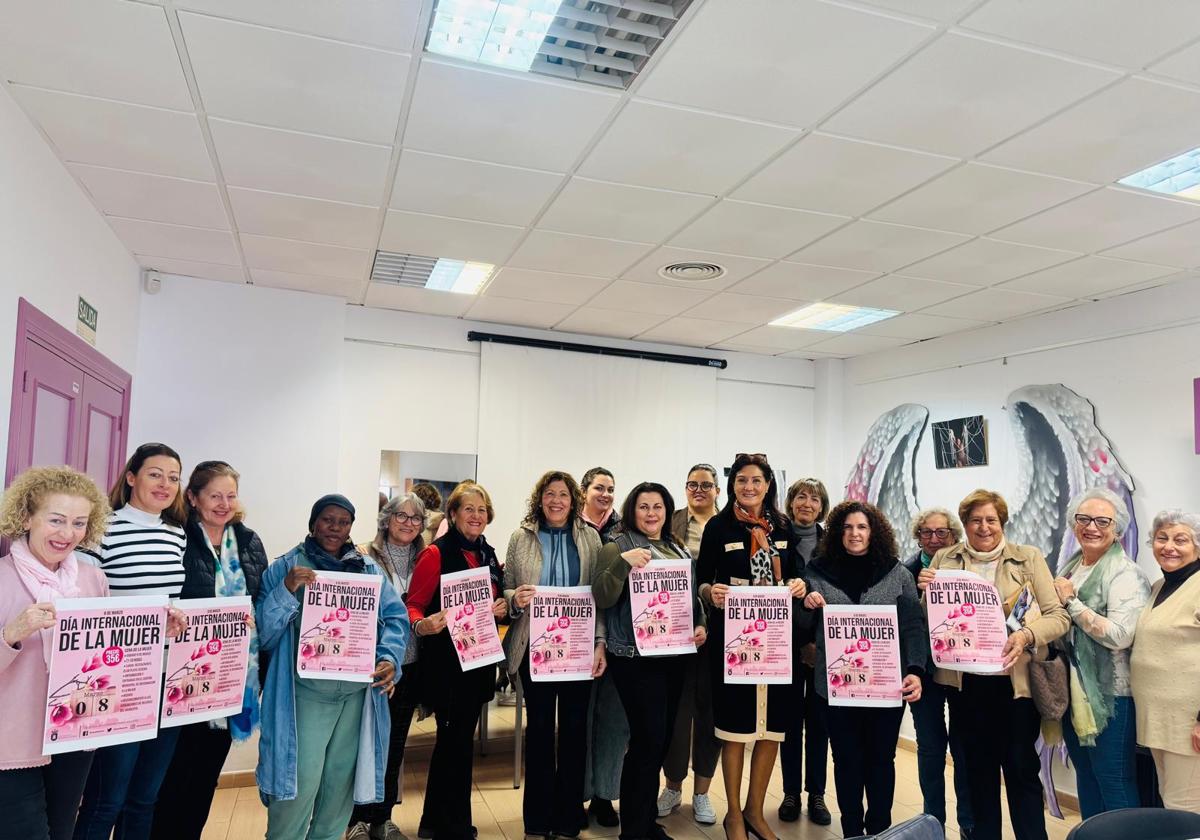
(811, 355)
(675, 149)
(996, 304)
(564, 252)
(520, 313)
(1114, 31)
(1117, 132)
(1089, 277)
(300, 164)
(735, 267)
(107, 48)
(618, 211)
(944, 10)
(917, 326)
(977, 199)
(984, 262)
(1100, 220)
(1171, 279)
(735, 346)
(438, 236)
(791, 39)
(802, 282)
(519, 120)
(875, 246)
(309, 258)
(350, 290)
(426, 301)
(1176, 247)
(136, 195)
(836, 175)
(190, 268)
(692, 332)
(184, 243)
(524, 284)
(468, 189)
(391, 24)
(755, 230)
(308, 219)
(780, 338)
(651, 298)
(903, 294)
(86, 130)
(961, 94)
(856, 344)
(589, 320)
(748, 309)
(1183, 65)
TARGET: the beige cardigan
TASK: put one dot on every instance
(1164, 668)
(523, 565)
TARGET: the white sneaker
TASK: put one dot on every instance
(668, 801)
(702, 809)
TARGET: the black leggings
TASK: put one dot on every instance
(40, 803)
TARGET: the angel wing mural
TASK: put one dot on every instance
(1060, 453)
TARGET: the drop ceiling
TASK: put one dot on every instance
(952, 159)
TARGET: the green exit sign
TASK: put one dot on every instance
(87, 320)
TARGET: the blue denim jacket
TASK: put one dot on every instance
(275, 612)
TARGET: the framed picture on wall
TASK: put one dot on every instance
(960, 443)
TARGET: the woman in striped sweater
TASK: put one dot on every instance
(141, 554)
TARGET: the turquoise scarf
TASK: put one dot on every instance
(1096, 670)
(231, 583)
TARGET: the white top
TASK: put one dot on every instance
(142, 555)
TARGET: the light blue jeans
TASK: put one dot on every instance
(1106, 774)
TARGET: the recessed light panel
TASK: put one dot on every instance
(833, 317)
(1178, 176)
(437, 273)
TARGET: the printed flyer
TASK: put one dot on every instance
(105, 672)
(339, 625)
(562, 633)
(467, 600)
(862, 655)
(660, 601)
(966, 623)
(758, 635)
(206, 664)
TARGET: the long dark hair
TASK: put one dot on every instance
(629, 508)
(118, 497)
(770, 507)
(881, 547)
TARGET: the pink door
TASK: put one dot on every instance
(49, 419)
(101, 423)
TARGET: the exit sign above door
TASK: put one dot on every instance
(86, 322)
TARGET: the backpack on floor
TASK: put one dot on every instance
(923, 827)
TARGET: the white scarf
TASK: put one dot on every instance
(46, 585)
(981, 557)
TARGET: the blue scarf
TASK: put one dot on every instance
(348, 561)
(230, 582)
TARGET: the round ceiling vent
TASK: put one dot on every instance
(691, 272)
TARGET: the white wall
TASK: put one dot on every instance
(55, 246)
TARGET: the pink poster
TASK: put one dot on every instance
(206, 664)
(862, 655)
(660, 601)
(467, 600)
(562, 633)
(105, 672)
(758, 635)
(966, 623)
(338, 627)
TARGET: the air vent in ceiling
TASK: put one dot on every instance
(437, 273)
(691, 272)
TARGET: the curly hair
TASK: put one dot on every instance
(881, 547)
(429, 495)
(29, 491)
(534, 515)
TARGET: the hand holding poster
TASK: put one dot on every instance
(562, 633)
(105, 672)
(758, 635)
(467, 600)
(862, 655)
(660, 601)
(206, 664)
(966, 623)
(339, 627)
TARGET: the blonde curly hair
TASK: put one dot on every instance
(29, 491)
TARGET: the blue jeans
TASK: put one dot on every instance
(123, 788)
(1105, 774)
(929, 719)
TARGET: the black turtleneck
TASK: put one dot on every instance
(1174, 579)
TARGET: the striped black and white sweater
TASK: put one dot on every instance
(141, 554)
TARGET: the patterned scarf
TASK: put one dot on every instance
(764, 557)
(46, 586)
(1096, 667)
(230, 582)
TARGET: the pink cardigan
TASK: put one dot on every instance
(23, 674)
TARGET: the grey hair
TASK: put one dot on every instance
(1175, 516)
(1104, 495)
(956, 527)
(385, 514)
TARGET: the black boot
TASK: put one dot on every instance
(817, 812)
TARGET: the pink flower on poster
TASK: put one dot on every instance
(61, 714)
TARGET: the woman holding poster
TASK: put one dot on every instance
(646, 649)
(857, 564)
(747, 544)
(553, 549)
(310, 770)
(456, 695)
(47, 512)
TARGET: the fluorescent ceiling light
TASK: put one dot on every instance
(464, 278)
(832, 317)
(1178, 176)
(507, 33)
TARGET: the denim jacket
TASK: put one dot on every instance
(276, 610)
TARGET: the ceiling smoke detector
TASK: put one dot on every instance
(692, 272)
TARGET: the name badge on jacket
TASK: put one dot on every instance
(781, 543)
(736, 546)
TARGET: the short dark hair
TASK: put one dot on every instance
(629, 508)
(708, 468)
(590, 476)
(534, 513)
(881, 547)
(770, 508)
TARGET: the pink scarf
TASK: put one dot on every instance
(45, 585)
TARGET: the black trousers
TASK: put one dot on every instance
(188, 788)
(1000, 732)
(448, 786)
(40, 803)
(864, 761)
(807, 744)
(649, 688)
(401, 706)
(553, 798)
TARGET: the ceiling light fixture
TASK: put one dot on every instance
(1178, 176)
(833, 317)
(437, 273)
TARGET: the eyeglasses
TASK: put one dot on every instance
(693, 486)
(940, 533)
(402, 517)
(1102, 522)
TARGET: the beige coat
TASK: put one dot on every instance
(1019, 565)
(523, 565)
(1164, 665)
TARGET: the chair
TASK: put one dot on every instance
(1158, 823)
(920, 827)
